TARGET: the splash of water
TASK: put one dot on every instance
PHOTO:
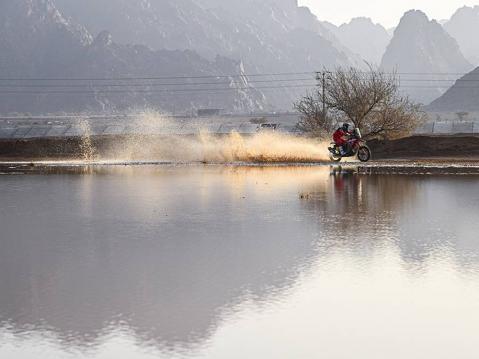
(87, 150)
(261, 147)
(157, 138)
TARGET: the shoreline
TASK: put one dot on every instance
(457, 154)
(394, 167)
(452, 147)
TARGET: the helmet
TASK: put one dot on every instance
(345, 127)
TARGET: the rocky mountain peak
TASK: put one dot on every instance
(466, 11)
(365, 38)
(363, 21)
(37, 41)
(463, 26)
(414, 17)
(103, 39)
(421, 46)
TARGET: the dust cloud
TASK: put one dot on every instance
(163, 143)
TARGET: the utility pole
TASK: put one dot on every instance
(321, 76)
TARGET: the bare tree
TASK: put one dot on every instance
(370, 100)
(312, 118)
(395, 117)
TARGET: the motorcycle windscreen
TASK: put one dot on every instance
(358, 132)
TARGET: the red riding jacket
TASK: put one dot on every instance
(340, 137)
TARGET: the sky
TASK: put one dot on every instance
(385, 12)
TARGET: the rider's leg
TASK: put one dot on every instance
(347, 148)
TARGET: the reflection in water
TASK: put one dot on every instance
(420, 214)
(164, 252)
(172, 256)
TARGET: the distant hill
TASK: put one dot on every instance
(363, 37)
(420, 47)
(462, 96)
(267, 36)
(223, 42)
(38, 42)
(464, 27)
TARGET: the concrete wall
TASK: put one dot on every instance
(45, 127)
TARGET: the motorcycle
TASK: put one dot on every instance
(356, 145)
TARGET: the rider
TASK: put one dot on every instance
(341, 137)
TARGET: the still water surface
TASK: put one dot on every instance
(238, 262)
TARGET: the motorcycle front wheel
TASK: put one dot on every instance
(334, 158)
(364, 154)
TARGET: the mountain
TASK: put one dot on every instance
(363, 37)
(462, 96)
(38, 42)
(422, 52)
(464, 26)
(33, 38)
(267, 36)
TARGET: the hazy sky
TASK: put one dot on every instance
(386, 12)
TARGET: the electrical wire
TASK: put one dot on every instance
(158, 78)
(93, 92)
(96, 86)
(146, 84)
(126, 78)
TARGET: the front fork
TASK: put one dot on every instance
(334, 149)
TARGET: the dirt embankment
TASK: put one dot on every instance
(451, 147)
(64, 148)
(262, 147)
(454, 146)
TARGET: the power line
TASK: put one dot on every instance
(424, 73)
(191, 84)
(129, 116)
(93, 92)
(129, 78)
(158, 78)
(442, 87)
(436, 80)
(95, 88)
(147, 84)
(211, 90)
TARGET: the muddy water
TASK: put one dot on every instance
(215, 262)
